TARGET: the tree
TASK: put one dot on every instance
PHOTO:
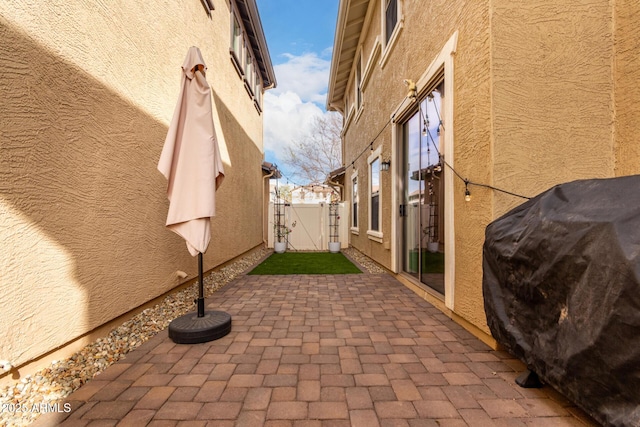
(319, 151)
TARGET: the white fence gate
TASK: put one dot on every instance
(309, 225)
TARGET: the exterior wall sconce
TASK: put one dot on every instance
(386, 165)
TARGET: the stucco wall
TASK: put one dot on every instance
(551, 116)
(417, 46)
(552, 94)
(627, 90)
(88, 89)
(542, 95)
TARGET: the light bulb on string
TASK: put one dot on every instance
(467, 193)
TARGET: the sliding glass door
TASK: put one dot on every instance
(422, 207)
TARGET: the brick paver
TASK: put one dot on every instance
(314, 351)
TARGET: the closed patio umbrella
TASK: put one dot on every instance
(190, 161)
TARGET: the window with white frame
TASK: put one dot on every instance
(237, 45)
(249, 74)
(375, 205)
(354, 201)
(258, 92)
(246, 55)
(375, 195)
(346, 105)
(392, 22)
(359, 84)
(390, 18)
(244, 62)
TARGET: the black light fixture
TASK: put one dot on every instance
(386, 165)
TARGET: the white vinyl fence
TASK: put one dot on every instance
(309, 225)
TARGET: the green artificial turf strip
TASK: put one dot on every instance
(433, 263)
(306, 263)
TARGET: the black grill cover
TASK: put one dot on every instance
(561, 284)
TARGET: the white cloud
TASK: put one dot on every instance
(306, 75)
(300, 96)
(286, 118)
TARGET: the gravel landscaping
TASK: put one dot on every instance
(364, 261)
(22, 402)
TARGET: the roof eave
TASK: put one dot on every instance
(260, 50)
(353, 19)
(337, 47)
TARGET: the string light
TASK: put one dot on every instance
(467, 194)
(427, 133)
(290, 181)
(353, 162)
(465, 180)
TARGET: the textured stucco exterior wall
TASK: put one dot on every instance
(472, 156)
(544, 93)
(552, 94)
(627, 89)
(417, 46)
(88, 90)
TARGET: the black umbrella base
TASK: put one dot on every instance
(191, 329)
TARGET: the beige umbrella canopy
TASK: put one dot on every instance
(190, 159)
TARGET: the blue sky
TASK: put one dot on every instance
(299, 35)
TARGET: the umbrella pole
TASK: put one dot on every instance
(194, 328)
(201, 287)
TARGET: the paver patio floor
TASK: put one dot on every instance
(343, 350)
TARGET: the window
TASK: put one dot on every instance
(237, 45)
(258, 93)
(236, 40)
(374, 200)
(346, 105)
(354, 202)
(244, 63)
(374, 168)
(392, 23)
(359, 84)
(391, 18)
(249, 75)
(246, 55)
(249, 71)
